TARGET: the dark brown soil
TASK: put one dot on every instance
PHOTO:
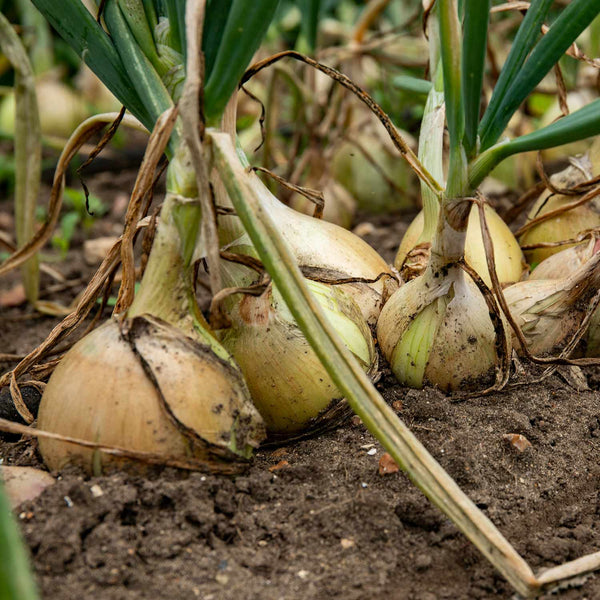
(315, 519)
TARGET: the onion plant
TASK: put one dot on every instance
(145, 76)
(445, 327)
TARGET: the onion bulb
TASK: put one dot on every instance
(143, 386)
(382, 186)
(287, 382)
(436, 329)
(549, 310)
(323, 251)
(566, 225)
(61, 109)
(510, 264)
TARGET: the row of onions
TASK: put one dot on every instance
(297, 295)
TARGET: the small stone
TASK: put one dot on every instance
(517, 442)
(347, 543)
(303, 574)
(387, 465)
(222, 578)
(372, 452)
(96, 491)
(356, 421)
(364, 485)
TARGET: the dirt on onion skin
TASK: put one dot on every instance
(315, 519)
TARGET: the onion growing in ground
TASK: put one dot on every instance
(436, 329)
(158, 381)
(288, 384)
(324, 251)
(548, 311)
(566, 225)
(143, 386)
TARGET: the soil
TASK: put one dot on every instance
(315, 519)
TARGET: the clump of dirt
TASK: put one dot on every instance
(316, 519)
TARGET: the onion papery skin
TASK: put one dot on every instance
(565, 226)
(564, 263)
(549, 311)
(510, 263)
(436, 329)
(287, 382)
(144, 386)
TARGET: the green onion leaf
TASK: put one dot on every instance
(564, 31)
(577, 126)
(142, 76)
(245, 28)
(310, 10)
(16, 579)
(79, 29)
(473, 62)
(215, 20)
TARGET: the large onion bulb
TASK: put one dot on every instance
(144, 386)
(436, 329)
(287, 382)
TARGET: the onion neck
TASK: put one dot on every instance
(166, 290)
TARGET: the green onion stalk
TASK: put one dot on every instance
(443, 328)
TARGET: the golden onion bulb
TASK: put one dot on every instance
(548, 311)
(287, 382)
(510, 264)
(144, 386)
(324, 251)
(436, 329)
(566, 225)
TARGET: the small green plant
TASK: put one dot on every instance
(80, 212)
